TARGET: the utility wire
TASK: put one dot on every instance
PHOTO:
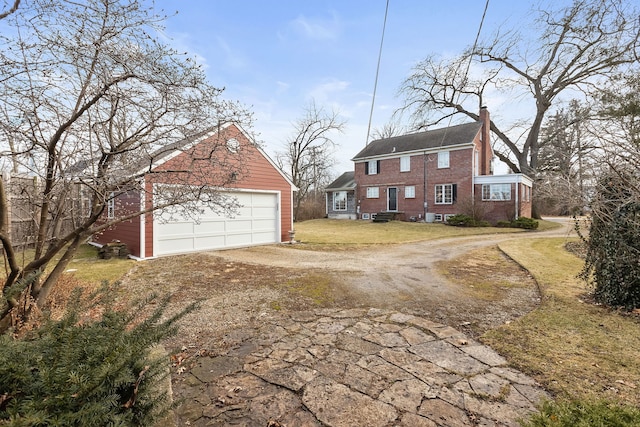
(466, 72)
(375, 84)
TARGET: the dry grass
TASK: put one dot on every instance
(485, 274)
(576, 349)
(337, 234)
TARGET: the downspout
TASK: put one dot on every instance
(473, 179)
(326, 203)
(424, 186)
(143, 221)
(517, 198)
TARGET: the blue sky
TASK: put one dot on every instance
(275, 56)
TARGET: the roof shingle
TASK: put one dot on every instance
(431, 139)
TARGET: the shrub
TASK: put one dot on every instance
(613, 243)
(73, 372)
(462, 220)
(584, 414)
(526, 223)
(521, 222)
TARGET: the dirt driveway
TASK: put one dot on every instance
(418, 278)
(466, 283)
(425, 279)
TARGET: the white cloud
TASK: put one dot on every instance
(328, 90)
(317, 28)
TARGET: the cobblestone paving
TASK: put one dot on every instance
(354, 368)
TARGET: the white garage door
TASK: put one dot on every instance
(255, 223)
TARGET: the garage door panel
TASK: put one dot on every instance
(239, 239)
(178, 228)
(239, 225)
(209, 226)
(209, 242)
(262, 237)
(256, 222)
(244, 212)
(175, 245)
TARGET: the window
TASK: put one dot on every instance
(405, 164)
(496, 191)
(233, 145)
(372, 167)
(373, 193)
(111, 206)
(410, 192)
(527, 193)
(443, 159)
(437, 217)
(445, 194)
(339, 200)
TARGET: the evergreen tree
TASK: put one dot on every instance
(74, 372)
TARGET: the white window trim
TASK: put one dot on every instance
(373, 192)
(373, 167)
(111, 206)
(410, 192)
(443, 192)
(337, 198)
(443, 159)
(495, 194)
(405, 164)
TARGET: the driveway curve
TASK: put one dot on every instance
(385, 361)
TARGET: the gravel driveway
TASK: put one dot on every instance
(246, 291)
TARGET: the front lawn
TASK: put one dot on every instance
(577, 350)
(355, 233)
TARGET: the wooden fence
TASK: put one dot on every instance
(24, 199)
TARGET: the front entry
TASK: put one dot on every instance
(392, 199)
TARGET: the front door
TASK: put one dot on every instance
(392, 199)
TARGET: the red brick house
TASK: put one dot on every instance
(431, 175)
(264, 196)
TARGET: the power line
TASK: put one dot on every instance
(375, 84)
(466, 72)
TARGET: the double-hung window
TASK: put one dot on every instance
(339, 200)
(443, 159)
(444, 194)
(496, 192)
(410, 192)
(372, 167)
(111, 206)
(405, 164)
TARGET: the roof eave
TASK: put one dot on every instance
(407, 153)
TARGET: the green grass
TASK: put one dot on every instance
(584, 414)
(87, 267)
(338, 233)
(579, 351)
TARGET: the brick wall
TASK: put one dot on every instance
(459, 172)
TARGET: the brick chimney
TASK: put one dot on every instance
(486, 153)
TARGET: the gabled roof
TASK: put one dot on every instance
(421, 141)
(170, 151)
(345, 181)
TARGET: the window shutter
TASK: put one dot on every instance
(378, 166)
(454, 192)
(366, 168)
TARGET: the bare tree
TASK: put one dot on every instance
(566, 167)
(87, 96)
(308, 152)
(11, 9)
(388, 130)
(572, 48)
